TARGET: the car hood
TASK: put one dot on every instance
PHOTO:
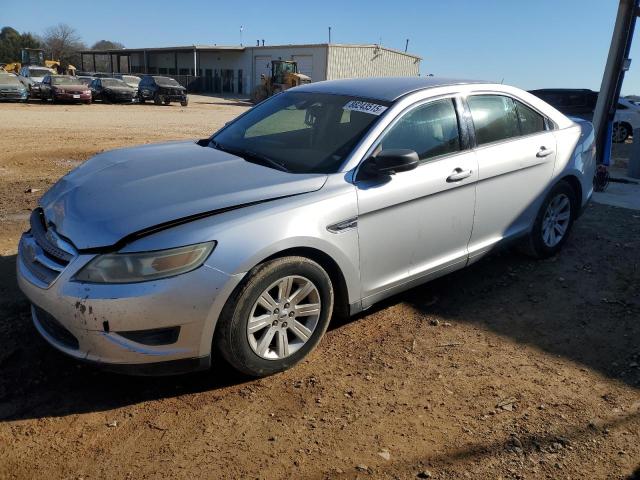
(121, 192)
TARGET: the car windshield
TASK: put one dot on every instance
(39, 72)
(131, 79)
(64, 81)
(113, 82)
(166, 82)
(9, 80)
(301, 132)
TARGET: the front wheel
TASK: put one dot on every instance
(157, 99)
(276, 317)
(553, 222)
(184, 103)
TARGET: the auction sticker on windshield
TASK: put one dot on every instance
(366, 107)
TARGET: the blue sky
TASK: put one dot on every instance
(530, 44)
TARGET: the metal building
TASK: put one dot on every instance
(237, 69)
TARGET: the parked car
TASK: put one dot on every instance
(131, 80)
(162, 90)
(582, 102)
(64, 88)
(11, 88)
(324, 199)
(31, 77)
(112, 90)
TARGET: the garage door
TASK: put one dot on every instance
(262, 65)
(305, 64)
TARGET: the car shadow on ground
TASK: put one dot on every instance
(582, 305)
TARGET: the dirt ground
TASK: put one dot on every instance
(511, 369)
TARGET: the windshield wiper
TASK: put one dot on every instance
(250, 156)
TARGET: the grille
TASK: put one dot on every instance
(54, 328)
(43, 252)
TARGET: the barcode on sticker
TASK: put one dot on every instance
(366, 107)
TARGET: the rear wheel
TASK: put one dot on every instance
(276, 317)
(553, 222)
(621, 132)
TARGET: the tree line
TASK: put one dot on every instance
(59, 42)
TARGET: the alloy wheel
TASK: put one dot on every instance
(556, 220)
(620, 133)
(284, 317)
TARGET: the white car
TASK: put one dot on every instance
(326, 198)
(626, 120)
(32, 76)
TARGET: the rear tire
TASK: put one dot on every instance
(621, 132)
(270, 322)
(553, 222)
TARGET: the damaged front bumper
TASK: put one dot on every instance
(158, 327)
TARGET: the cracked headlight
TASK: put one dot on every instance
(144, 266)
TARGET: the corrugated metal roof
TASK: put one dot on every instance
(381, 88)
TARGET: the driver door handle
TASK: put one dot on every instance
(544, 152)
(459, 174)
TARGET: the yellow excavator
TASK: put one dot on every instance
(284, 75)
(35, 56)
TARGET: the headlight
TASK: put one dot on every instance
(144, 266)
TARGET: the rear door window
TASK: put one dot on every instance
(494, 118)
(530, 120)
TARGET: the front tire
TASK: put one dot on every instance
(157, 99)
(553, 222)
(276, 317)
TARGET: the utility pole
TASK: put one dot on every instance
(329, 34)
(617, 64)
(406, 46)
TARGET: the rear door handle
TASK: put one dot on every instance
(459, 174)
(544, 152)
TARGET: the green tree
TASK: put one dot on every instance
(12, 42)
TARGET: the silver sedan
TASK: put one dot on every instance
(320, 201)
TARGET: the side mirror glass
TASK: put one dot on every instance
(390, 162)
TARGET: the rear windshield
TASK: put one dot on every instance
(113, 82)
(64, 81)
(166, 82)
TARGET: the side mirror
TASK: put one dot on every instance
(389, 162)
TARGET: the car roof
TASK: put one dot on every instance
(381, 88)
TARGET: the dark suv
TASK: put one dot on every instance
(162, 90)
(577, 102)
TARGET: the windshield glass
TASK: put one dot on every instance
(112, 82)
(9, 80)
(166, 82)
(301, 132)
(131, 79)
(64, 81)
(39, 72)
